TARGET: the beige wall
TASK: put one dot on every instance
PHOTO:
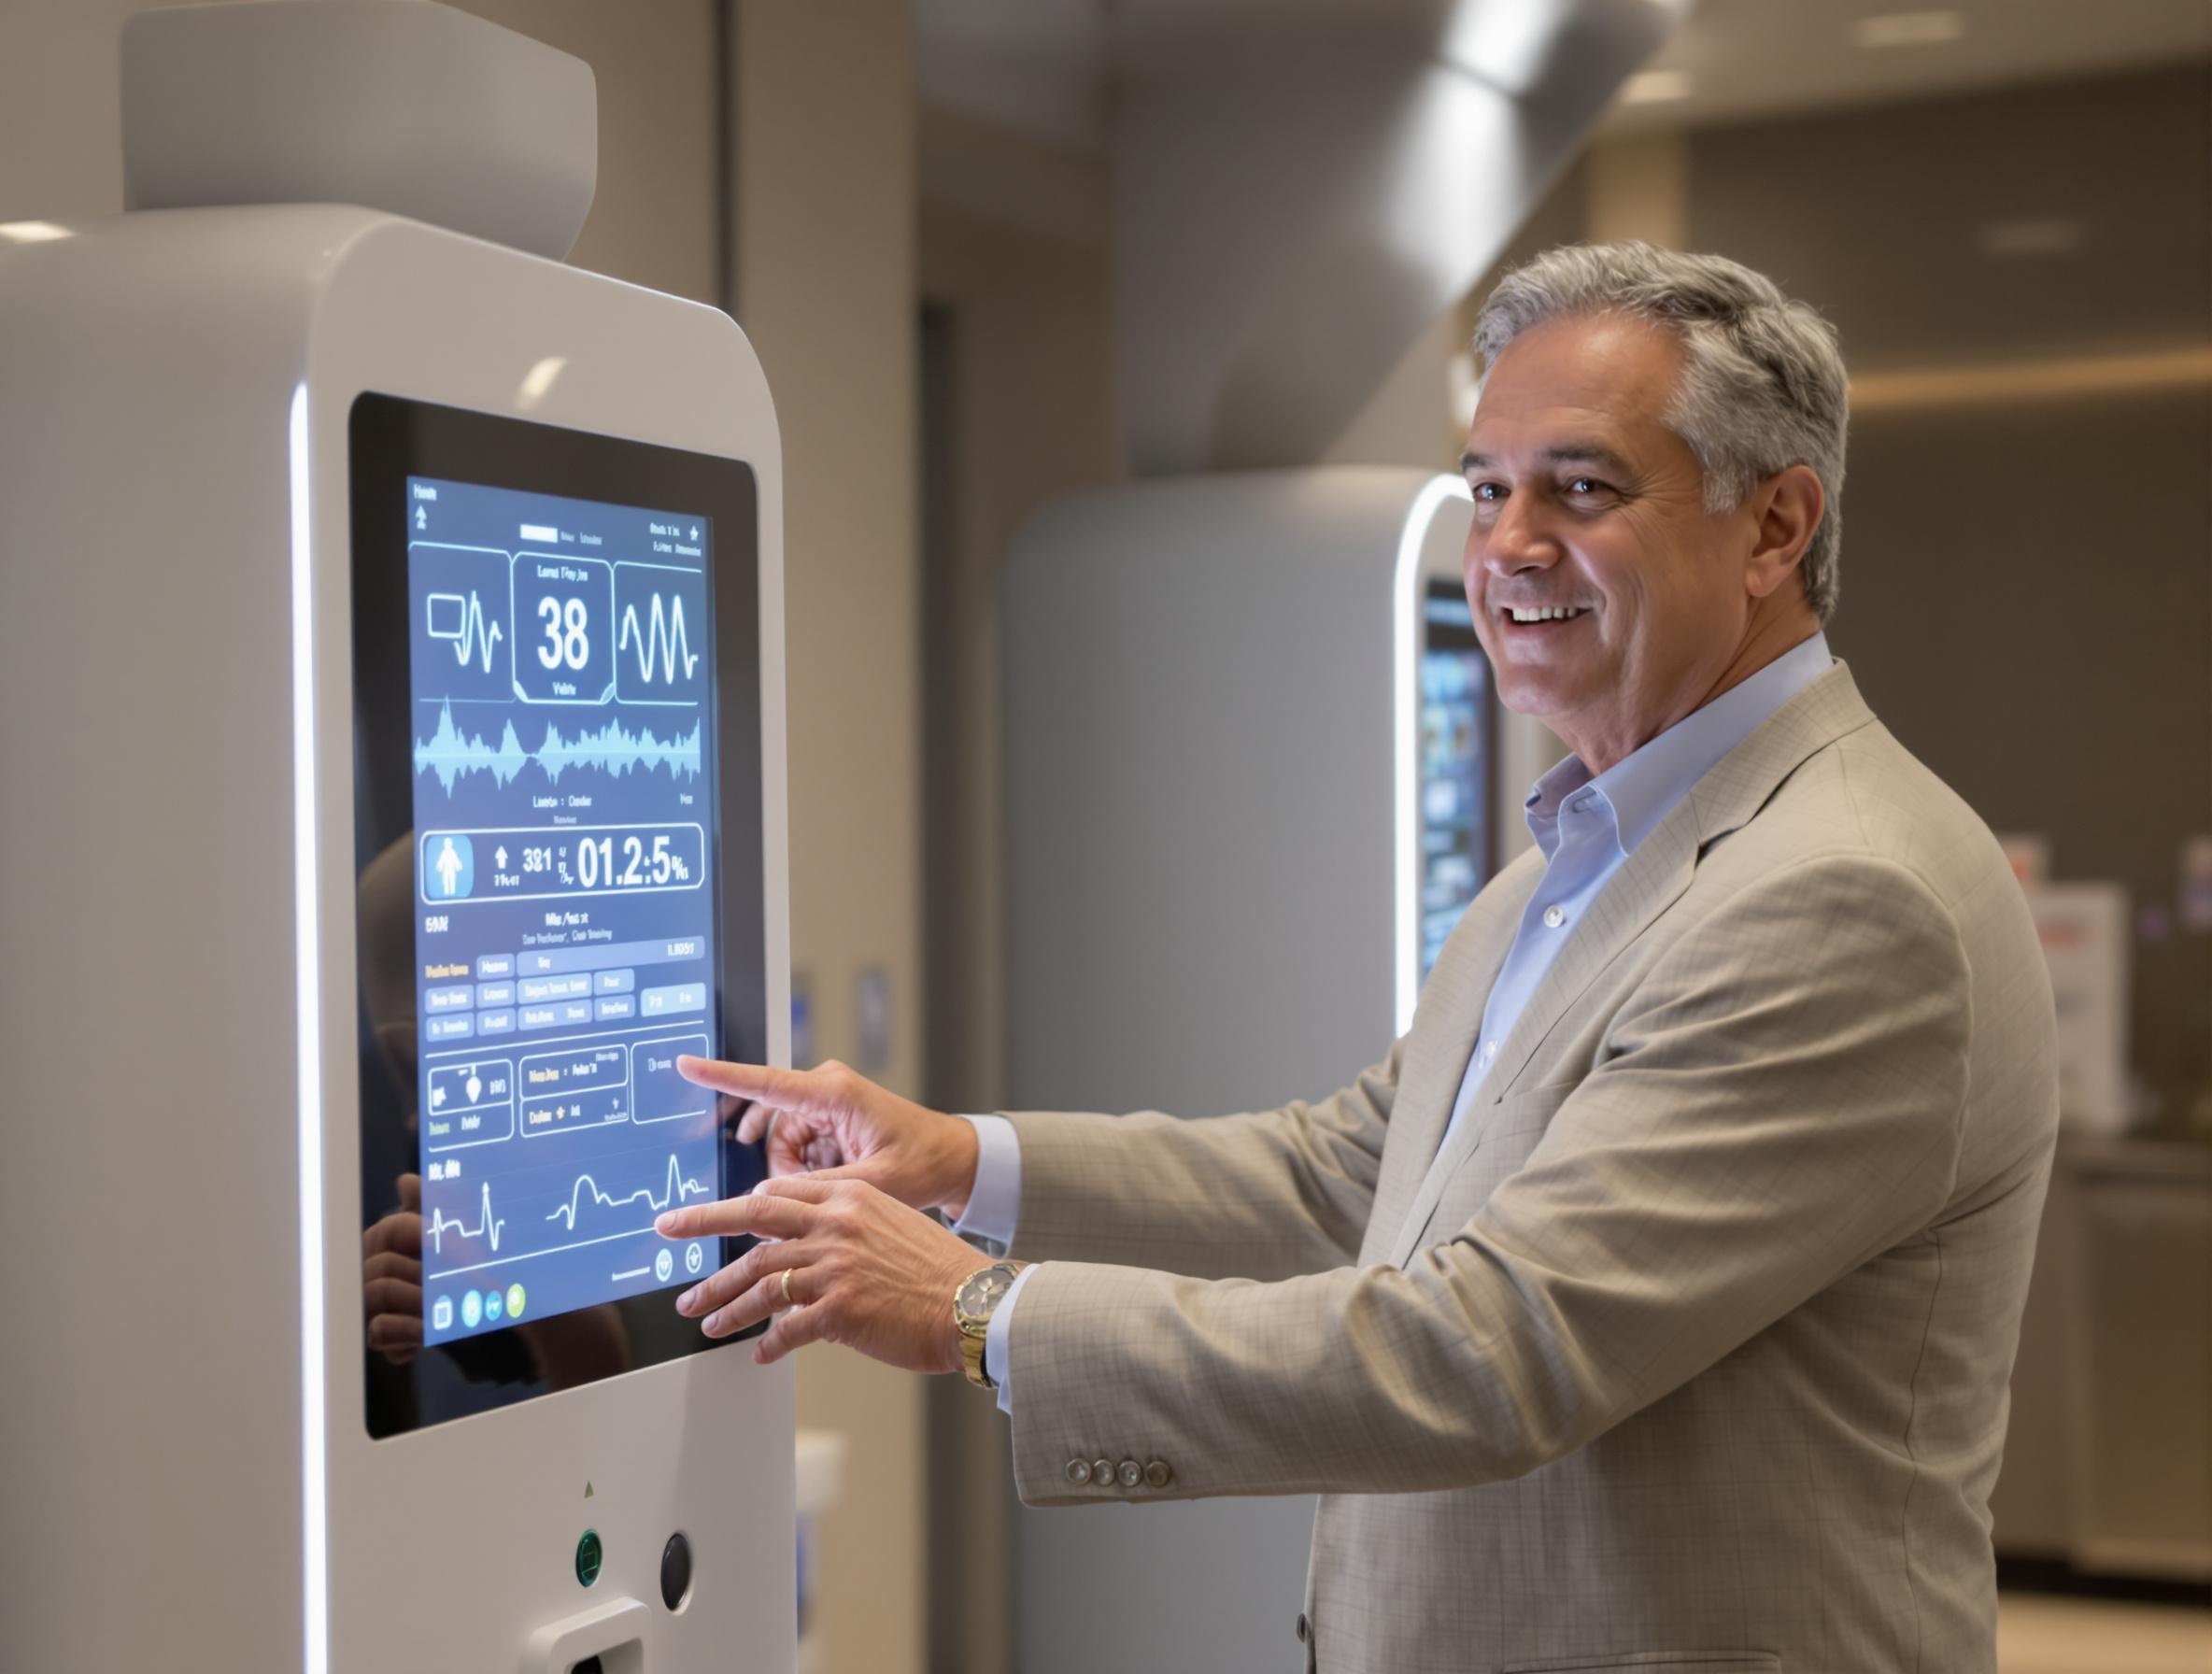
(1013, 250)
(1014, 257)
(826, 289)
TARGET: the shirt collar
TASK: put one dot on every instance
(1642, 789)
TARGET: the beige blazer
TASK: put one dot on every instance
(1689, 1352)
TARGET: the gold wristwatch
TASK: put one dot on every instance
(974, 1303)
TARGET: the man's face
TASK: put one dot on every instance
(1584, 501)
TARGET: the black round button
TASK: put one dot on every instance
(675, 1570)
(1305, 1628)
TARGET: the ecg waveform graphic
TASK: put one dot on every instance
(486, 1227)
(660, 643)
(463, 626)
(675, 1191)
(451, 755)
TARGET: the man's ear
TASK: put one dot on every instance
(1786, 509)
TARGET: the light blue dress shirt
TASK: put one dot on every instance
(1587, 827)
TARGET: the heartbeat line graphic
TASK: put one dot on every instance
(612, 749)
(677, 1190)
(486, 1228)
(470, 634)
(660, 642)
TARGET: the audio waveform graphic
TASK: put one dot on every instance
(660, 643)
(675, 1191)
(486, 1227)
(465, 627)
(614, 748)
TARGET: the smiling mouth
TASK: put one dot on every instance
(1537, 614)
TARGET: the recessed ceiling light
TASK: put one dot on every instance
(31, 232)
(2048, 237)
(1655, 86)
(1908, 29)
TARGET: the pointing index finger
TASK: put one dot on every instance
(776, 1216)
(785, 1089)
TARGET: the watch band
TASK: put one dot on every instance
(975, 1329)
(972, 1362)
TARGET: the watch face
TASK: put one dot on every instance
(980, 1294)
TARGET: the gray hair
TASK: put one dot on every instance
(1763, 385)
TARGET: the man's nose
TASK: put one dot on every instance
(1516, 540)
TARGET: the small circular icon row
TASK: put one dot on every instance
(478, 1308)
(490, 1306)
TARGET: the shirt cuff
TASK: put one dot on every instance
(995, 1354)
(995, 1204)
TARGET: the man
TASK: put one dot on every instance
(1652, 1304)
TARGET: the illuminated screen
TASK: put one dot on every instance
(562, 677)
(578, 843)
(1457, 734)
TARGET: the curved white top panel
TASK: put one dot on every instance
(415, 108)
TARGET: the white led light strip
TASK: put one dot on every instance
(308, 956)
(1406, 599)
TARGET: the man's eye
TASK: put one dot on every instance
(1490, 490)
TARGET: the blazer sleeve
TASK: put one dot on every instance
(1262, 1196)
(1781, 1101)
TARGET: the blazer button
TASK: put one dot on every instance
(1079, 1471)
(1131, 1473)
(1305, 1628)
(1158, 1475)
(1102, 1473)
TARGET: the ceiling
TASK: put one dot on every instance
(1745, 58)
(1049, 67)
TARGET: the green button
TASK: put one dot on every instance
(587, 1557)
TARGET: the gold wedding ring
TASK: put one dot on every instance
(788, 1302)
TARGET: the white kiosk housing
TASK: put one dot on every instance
(391, 712)
(1255, 772)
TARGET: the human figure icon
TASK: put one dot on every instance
(451, 859)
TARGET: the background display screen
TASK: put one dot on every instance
(561, 889)
(562, 671)
(1455, 768)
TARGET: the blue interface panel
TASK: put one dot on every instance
(560, 678)
(1455, 767)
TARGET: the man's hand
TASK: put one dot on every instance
(865, 1272)
(838, 1124)
(392, 1276)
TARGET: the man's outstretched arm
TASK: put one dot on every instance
(1265, 1195)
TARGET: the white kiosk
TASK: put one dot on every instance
(392, 698)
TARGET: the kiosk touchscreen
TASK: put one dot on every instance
(558, 831)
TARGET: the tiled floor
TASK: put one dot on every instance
(2077, 1636)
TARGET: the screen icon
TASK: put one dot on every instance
(448, 865)
(515, 1301)
(472, 1309)
(493, 1306)
(663, 1264)
(441, 1314)
(694, 1258)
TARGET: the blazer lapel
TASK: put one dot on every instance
(1650, 881)
(1442, 1036)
